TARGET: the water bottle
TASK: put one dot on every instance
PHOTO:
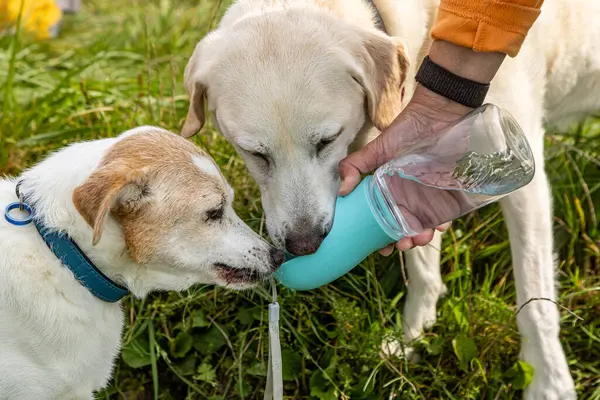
(476, 161)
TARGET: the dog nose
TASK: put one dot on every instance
(302, 245)
(277, 257)
(306, 236)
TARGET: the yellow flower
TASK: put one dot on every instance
(38, 16)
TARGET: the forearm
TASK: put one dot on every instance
(465, 62)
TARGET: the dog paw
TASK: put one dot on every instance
(551, 376)
(542, 392)
(551, 386)
(429, 318)
(394, 348)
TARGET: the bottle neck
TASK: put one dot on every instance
(386, 211)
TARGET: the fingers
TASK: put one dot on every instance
(444, 227)
(363, 161)
(407, 243)
(350, 177)
(373, 155)
(387, 250)
(422, 239)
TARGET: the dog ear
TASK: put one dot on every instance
(383, 65)
(194, 81)
(195, 117)
(109, 187)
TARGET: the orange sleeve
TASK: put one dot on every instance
(486, 25)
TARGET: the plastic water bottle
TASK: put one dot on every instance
(478, 160)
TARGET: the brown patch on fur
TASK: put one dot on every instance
(124, 181)
(385, 64)
(94, 198)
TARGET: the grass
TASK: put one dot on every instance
(117, 65)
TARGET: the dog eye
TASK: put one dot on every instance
(215, 214)
(261, 157)
(326, 142)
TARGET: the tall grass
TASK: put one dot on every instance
(117, 65)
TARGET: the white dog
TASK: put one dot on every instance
(293, 83)
(150, 211)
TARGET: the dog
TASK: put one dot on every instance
(149, 210)
(295, 84)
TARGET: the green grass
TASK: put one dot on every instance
(120, 64)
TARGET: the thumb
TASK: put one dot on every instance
(363, 161)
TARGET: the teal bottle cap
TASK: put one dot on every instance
(354, 235)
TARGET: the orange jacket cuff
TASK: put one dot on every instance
(490, 26)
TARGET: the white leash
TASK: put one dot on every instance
(274, 389)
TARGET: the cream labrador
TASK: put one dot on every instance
(152, 212)
(295, 84)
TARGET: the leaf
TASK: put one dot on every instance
(136, 354)
(291, 364)
(259, 314)
(199, 320)
(206, 373)
(362, 390)
(345, 373)
(188, 365)
(258, 369)
(243, 389)
(465, 350)
(317, 381)
(436, 346)
(460, 316)
(244, 315)
(333, 333)
(520, 374)
(330, 359)
(181, 345)
(320, 388)
(210, 341)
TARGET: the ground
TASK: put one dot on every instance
(119, 64)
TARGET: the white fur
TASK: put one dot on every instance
(207, 166)
(58, 341)
(282, 102)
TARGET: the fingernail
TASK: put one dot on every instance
(345, 188)
(342, 191)
(386, 251)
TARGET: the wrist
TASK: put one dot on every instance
(457, 73)
(435, 107)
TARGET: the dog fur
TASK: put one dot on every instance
(153, 212)
(295, 84)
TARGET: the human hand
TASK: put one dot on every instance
(426, 114)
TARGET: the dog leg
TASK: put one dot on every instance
(528, 215)
(424, 288)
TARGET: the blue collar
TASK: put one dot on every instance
(67, 251)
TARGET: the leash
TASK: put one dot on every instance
(274, 389)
